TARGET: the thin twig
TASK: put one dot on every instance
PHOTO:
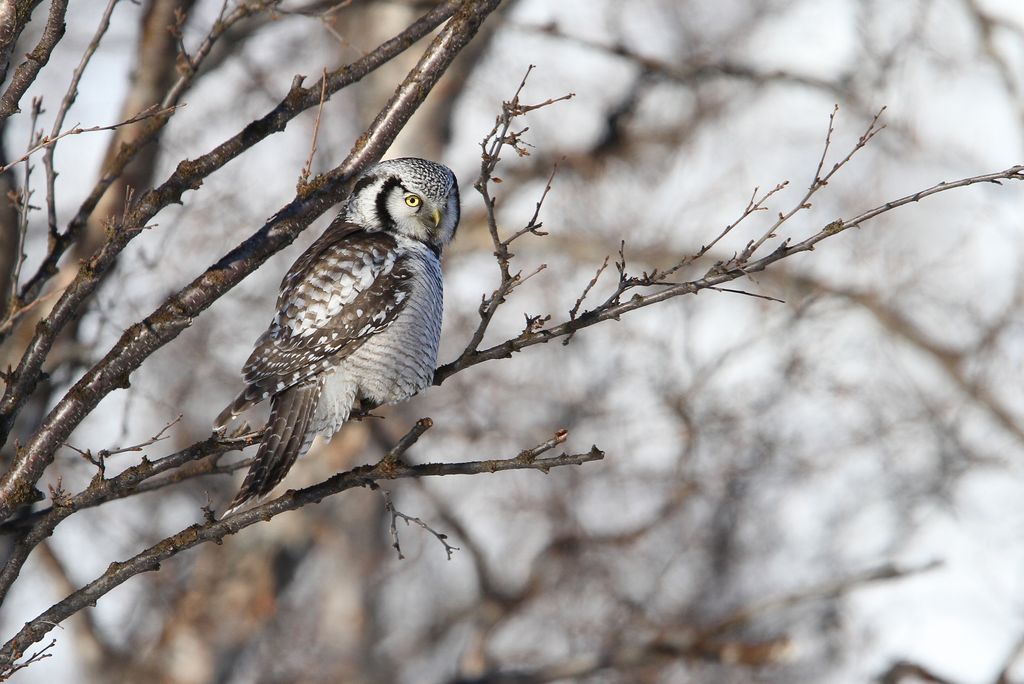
(190, 64)
(586, 290)
(47, 142)
(748, 294)
(534, 225)
(70, 95)
(100, 458)
(41, 654)
(24, 207)
(817, 183)
(15, 314)
(389, 506)
(754, 205)
(828, 143)
(308, 166)
(390, 459)
(325, 20)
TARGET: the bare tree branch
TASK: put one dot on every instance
(69, 97)
(389, 468)
(491, 148)
(614, 308)
(125, 149)
(27, 71)
(131, 481)
(389, 506)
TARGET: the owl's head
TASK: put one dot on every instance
(408, 196)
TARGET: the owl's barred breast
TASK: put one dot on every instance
(399, 361)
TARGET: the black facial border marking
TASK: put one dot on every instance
(454, 189)
(384, 218)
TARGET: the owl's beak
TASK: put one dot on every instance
(437, 217)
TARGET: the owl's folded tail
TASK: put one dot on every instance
(287, 437)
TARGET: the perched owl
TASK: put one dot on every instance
(358, 318)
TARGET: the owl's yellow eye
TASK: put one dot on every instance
(413, 201)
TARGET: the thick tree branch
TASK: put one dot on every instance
(27, 71)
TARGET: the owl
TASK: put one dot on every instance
(358, 316)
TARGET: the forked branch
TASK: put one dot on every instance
(390, 467)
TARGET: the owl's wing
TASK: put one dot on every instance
(349, 285)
